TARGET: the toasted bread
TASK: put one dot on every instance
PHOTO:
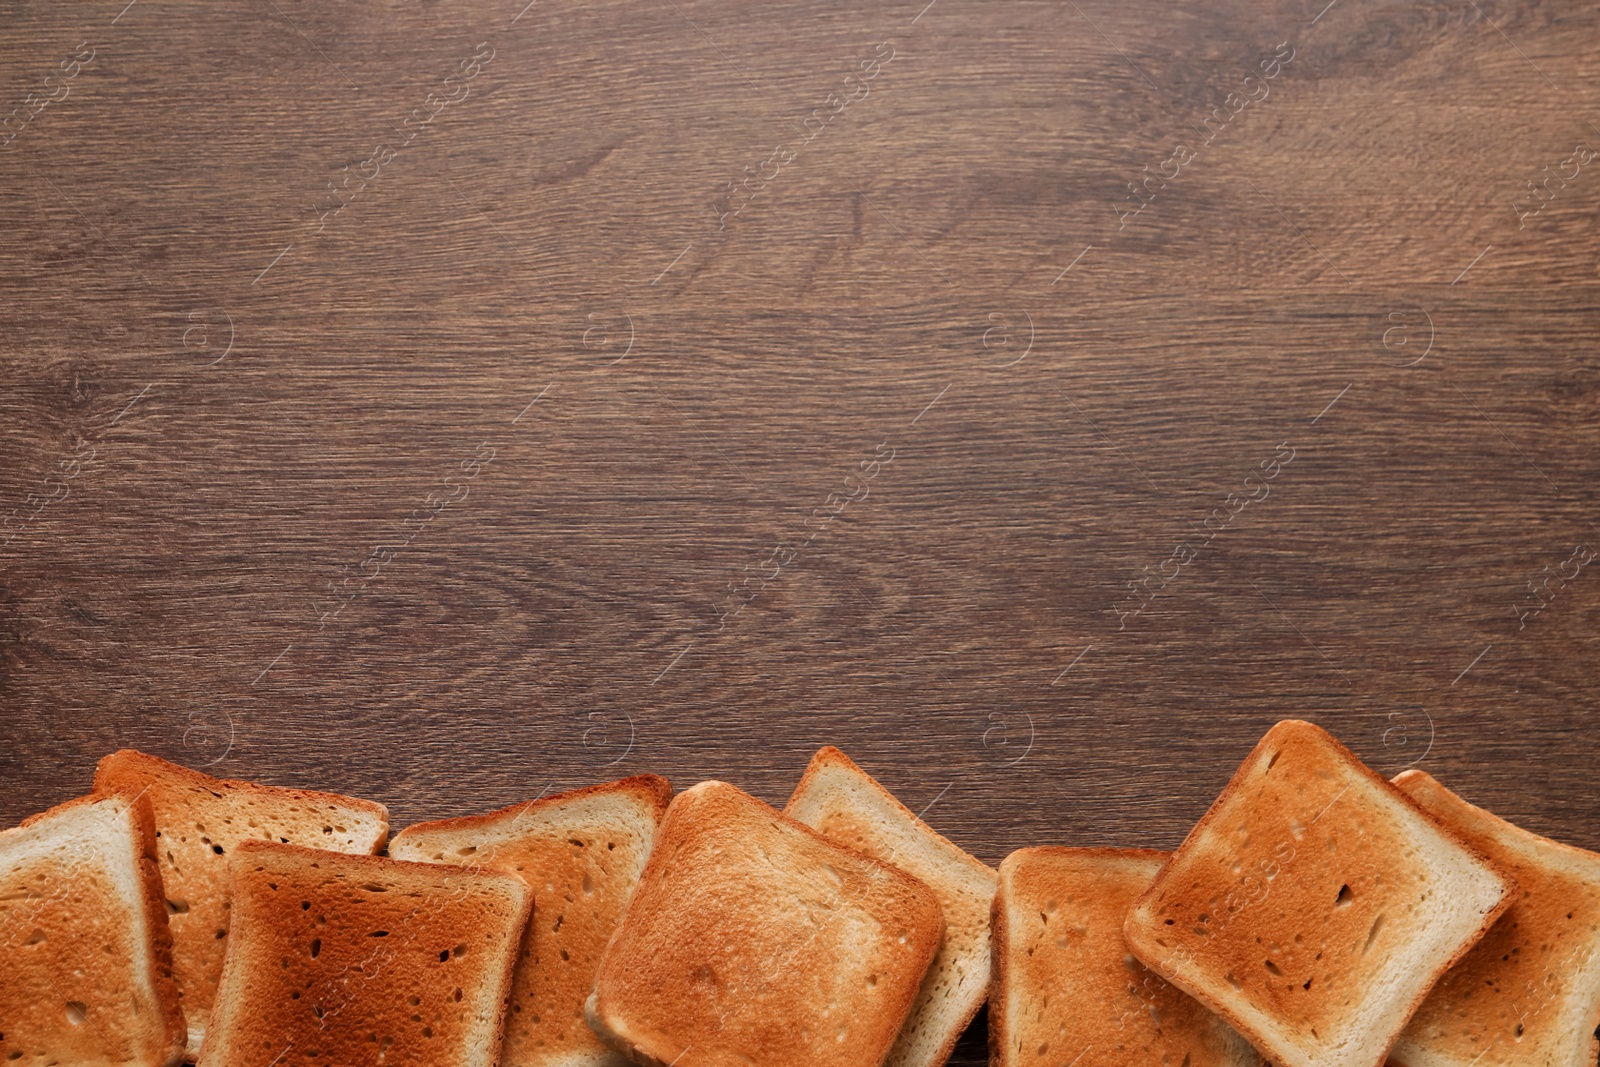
(1529, 992)
(88, 960)
(841, 801)
(581, 854)
(361, 961)
(1314, 905)
(199, 821)
(1066, 988)
(753, 939)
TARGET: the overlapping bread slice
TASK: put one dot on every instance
(752, 939)
(1314, 905)
(581, 854)
(87, 973)
(360, 961)
(199, 821)
(1529, 992)
(841, 801)
(1066, 987)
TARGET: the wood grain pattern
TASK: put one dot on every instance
(498, 476)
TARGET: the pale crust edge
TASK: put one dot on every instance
(610, 1038)
(652, 788)
(112, 774)
(999, 964)
(1133, 936)
(155, 912)
(497, 1034)
(828, 755)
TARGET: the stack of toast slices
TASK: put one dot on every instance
(199, 822)
(1316, 915)
(580, 853)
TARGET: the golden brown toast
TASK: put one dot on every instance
(1529, 992)
(1314, 905)
(361, 961)
(752, 939)
(1066, 987)
(199, 821)
(841, 801)
(87, 978)
(581, 854)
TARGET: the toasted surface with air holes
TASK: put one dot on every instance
(88, 963)
(1529, 992)
(751, 938)
(1066, 987)
(581, 854)
(356, 961)
(1314, 905)
(199, 821)
(841, 801)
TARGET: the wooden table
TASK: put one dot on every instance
(441, 403)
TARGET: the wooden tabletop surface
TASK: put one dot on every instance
(445, 402)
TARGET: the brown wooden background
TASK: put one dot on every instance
(217, 411)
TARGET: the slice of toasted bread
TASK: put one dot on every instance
(841, 801)
(199, 821)
(359, 961)
(1066, 988)
(581, 853)
(1529, 992)
(753, 939)
(1314, 905)
(88, 961)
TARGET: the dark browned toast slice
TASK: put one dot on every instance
(1529, 992)
(752, 939)
(361, 961)
(1066, 987)
(840, 800)
(199, 821)
(87, 977)
(1314, 905)
(581, 853)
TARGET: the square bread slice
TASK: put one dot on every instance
(753, 939)
(581, 853)
(1314, 905)
(199, 822)
(87, 973)
(358, 961)
(1066, 987)
(841, 801)
(1529, 992)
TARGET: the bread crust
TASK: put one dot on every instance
(657, 953)
(1535, 918)
(1000, 935)
(152, 905)
(1151, 954)
(127, 768)
(650, 787)
(827, 757)
(155, 918)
